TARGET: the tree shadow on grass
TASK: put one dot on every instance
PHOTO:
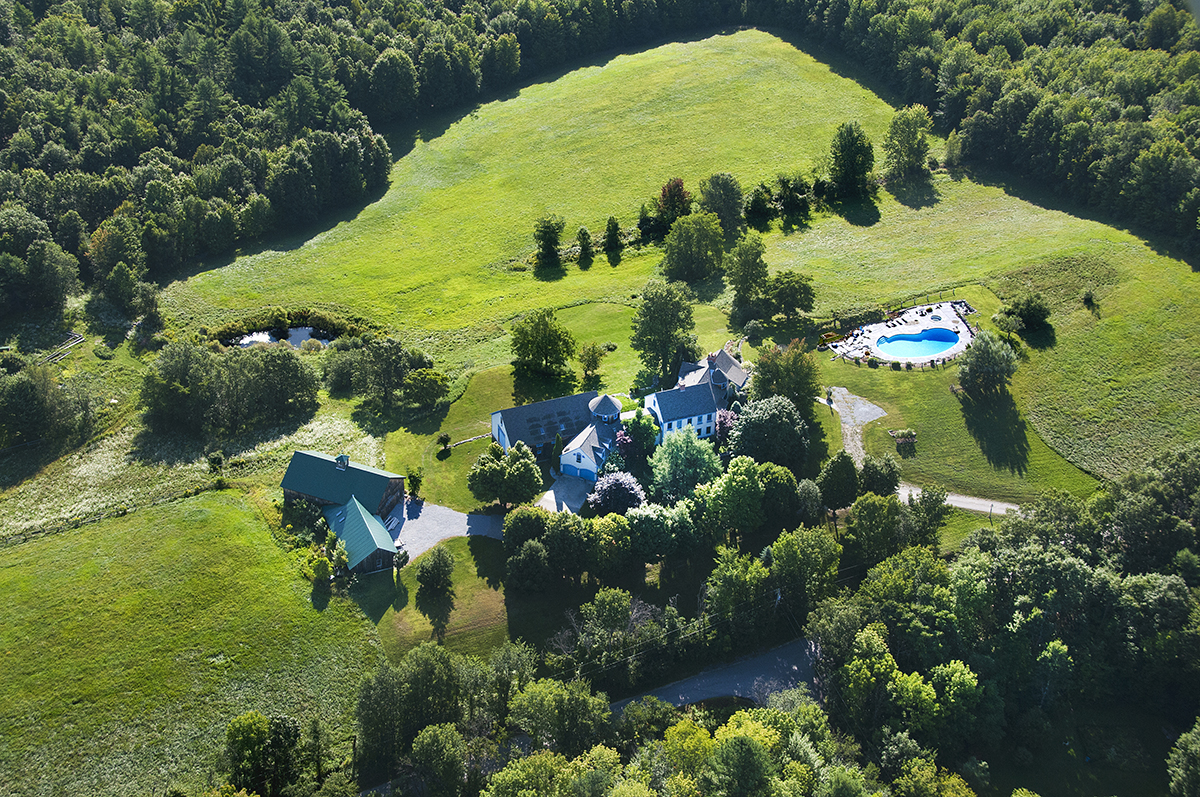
(859, 212)
(707, 290)
(489, 559)
(376, 420)
(375, 594)
(530, 385)
(998, 428)
(535, 618)
(24, 462)
(1040, 337)
(437, 608)
(915, 192)
(549, 272)
(320, 595)
(818, 446)
(783, 330)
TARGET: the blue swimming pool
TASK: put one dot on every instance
(925, 343)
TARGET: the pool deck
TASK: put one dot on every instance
(864, 342)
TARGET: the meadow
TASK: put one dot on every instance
(130, 644)
(1105, 387)
(441, 251)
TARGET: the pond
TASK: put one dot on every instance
(296, 336)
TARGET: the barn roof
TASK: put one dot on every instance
(319, 475)
(362, 532)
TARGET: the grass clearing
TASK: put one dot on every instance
(471, 619)
(130, 645)
(960, 523)
(988, 449)
(1111, 385)
(433, 254)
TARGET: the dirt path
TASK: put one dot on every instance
(856, 412)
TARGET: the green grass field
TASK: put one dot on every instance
(1110, 385)
(434, 253)
(129, 645)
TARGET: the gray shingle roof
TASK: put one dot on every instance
(688, 402)
(604, 405)
(731, 368)
(536, 424)
(700, 373)
(597, 440)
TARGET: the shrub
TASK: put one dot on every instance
(616, 492)
(414, 477)
(435, 569)
(444, 440)
(529, 569)
(754, 331)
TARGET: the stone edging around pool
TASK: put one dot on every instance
(913, 321)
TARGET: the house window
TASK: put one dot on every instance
(708, 430)
(709, 418)
(670, 425)
(578, 458)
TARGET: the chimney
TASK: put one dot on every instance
(342, 461)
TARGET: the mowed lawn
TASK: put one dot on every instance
(130, 644)
(1111, 385)
(499, 387)
(988, 449)
(434, 253)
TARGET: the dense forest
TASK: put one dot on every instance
(925, 669)
(137, 135)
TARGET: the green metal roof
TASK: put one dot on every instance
(362, 532)
(316, 474)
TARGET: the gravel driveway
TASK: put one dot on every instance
(417, 526)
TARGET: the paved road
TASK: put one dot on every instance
(753, 677)
(969, 502)
(417, 526)
(567, 494)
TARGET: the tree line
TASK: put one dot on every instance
(213, 394)
(146, 133)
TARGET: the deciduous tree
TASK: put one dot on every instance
(879, 475)
(540, 341)
(771, 430)
(851, 159)
(680, 463)
(987, 365)
(434, 570)
(590, 356)
(787, 371)
(745, 269)
(790, 291)
(510, 478)
(662, 326)
(905, 145)
(693, 248)
(721, 194)
(838, 481)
